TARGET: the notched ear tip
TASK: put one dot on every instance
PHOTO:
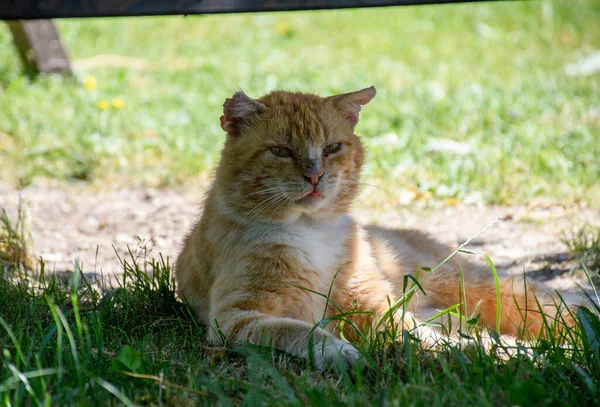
(240, 94)
(240, 105)
(236, 98)
(238, 109)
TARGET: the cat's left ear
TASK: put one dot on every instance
(237, 110)
(350, 103)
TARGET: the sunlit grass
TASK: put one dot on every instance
(490, 77)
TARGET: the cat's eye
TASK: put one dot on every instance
(281, 151)
(332, 148)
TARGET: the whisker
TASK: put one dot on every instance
(357, 199)
(260, 192)
(265, 205)
(262, 204)
(351, 182)
(281, 199)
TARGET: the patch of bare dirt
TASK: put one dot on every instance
(71, 224)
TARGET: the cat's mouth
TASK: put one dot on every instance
(311, 198)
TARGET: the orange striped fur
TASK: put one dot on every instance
(275, 230)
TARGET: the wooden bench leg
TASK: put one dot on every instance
(40, 48)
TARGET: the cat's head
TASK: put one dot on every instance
(290, 154)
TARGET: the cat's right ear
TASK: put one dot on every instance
(238, 110)
(350, 103)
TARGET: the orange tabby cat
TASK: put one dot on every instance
(275, 230)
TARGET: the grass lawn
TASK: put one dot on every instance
(476, 101)
(67, 344)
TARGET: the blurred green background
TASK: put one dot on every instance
(481, 102)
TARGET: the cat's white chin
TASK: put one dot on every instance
(310, 201)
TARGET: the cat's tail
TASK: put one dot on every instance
(525, 310)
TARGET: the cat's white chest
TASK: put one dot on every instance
(320, 247)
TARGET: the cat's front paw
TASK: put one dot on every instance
(334, 351)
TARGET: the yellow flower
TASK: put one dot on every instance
(452, 201)
(284, 29)
(118, 103)
(102, 104)
(90, 83)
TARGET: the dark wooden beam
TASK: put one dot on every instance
(39, 46)
(34, 9)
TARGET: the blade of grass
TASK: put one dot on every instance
(10, 382)
(496, 283)
(164, 382)
(590, 324)
(14, 340)
(22, 378)
(112, 389)
(279, 380)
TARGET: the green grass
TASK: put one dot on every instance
(64, 342)
(490, 76)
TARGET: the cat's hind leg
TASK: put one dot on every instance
(524, 310)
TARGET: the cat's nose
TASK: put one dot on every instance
(313, 176)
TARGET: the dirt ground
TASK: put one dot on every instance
(70, 223)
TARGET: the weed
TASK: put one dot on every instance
(584, 244)
(15, 240)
